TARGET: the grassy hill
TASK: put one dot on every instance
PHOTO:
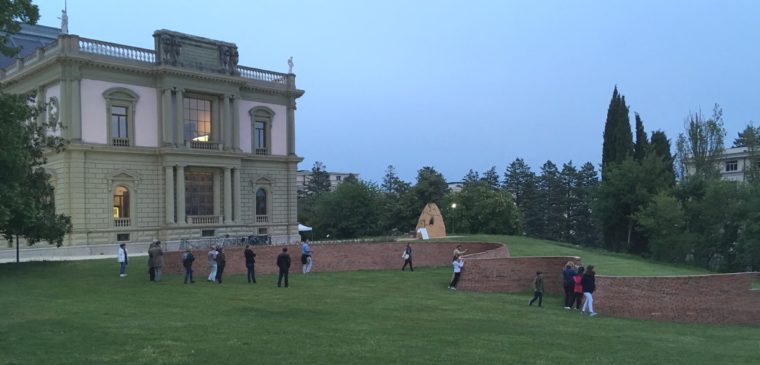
(82, 312)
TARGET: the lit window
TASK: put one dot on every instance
(732, 165)
(121, 203)
(197, 114)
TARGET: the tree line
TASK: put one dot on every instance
(647, 201)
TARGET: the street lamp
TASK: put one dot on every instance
(453, 207)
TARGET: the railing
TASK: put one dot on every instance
(262, 219)
(263, 75)
(121, 222)
(120, 142)
(204, 219)
(209, 146)
(262, 151)
(116, 50)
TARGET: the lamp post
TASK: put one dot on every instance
(453, 208)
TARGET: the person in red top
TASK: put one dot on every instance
(578, 289)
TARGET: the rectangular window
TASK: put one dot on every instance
(207, 233)
(197, 119)
(119, 122)
(732, 165)
(122, 236)
(261, 135)
(262, 231)
(199, 193)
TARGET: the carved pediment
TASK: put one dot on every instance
(129, 177)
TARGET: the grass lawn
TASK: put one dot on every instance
(82, 312)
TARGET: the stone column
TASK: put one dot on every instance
(217, 194)
(167, 117)
(291, 126)
(169, 194)
(227, 195)
(179, 119)
(226, 123)
(236, 195)
(181, 219)
(235, 125)
(76, 110)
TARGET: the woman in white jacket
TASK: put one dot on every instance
(121, 256)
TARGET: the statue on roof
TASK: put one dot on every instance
(290, 65)
(64, 20)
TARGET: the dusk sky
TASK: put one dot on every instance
(462, 85)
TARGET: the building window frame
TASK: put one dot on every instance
(212, 136)
(265, 116)
(262, 184)
(121, 97)
(732, 165)
(129, 220)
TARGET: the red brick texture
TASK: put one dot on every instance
(335, 257)
(721, 298)
(513, 274)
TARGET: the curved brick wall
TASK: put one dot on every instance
(336, 257)
(513, 274)
(720, 298)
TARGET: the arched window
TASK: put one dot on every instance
(261, 126)
(261, 202)
(120, 203)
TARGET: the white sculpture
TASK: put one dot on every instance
(290, 65)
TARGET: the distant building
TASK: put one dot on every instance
(455, 186)
(734, 164)
(335, 178)
(174, 142)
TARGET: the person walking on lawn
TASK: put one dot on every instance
(589, 286)
(121, 257)
(250, 261)
(568, 284)
(283, 263)
(538, 289)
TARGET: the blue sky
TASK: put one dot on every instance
(462, 85)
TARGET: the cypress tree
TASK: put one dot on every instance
(641, 146)
(618, 140)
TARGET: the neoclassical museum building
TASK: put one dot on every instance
(175, 142)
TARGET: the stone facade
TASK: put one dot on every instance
(135, 179)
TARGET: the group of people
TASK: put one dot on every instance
(579, 284)
(217, 260)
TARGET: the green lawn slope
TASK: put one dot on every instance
(83, 313)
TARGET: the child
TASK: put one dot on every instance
(578, 288)
(538, 289)
(458, 263)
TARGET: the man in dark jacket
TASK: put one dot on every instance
(250, 260)
(283, 262)
(187, 262)
(221, 262)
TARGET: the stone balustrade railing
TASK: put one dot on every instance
(116, 50)
(73, 45)
(263, 75)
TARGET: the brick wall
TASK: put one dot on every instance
(720, 298)
(716, 299)
(334, 257)
(513, 274)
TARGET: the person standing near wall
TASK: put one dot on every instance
(306, 257)
(589, 286)
(538, 289)
(221, 262)
(250, 261)
(568, 284)
(458, 264)
(578, 288)
(121, 257)
(151, 267)
(212, 264)
(283, 263)
(187, 262)
(407, 256)
(458, 251)
(158, 260)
